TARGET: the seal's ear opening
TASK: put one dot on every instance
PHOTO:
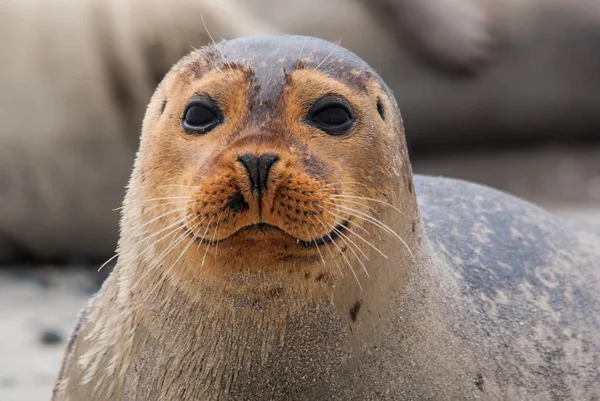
(380, 108)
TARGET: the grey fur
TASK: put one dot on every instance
(531, 280)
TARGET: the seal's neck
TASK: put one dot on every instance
(355, 280)
(354, 274)
(327, 312)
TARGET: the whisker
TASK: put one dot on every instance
(215, 43)
(178, 223)
(159, 259)
(178, 185)
(211, 62)
(207, 246)
(300, 55)
(180, 240)
(358, 235)
(150, 200)
(346, 182)
(108, 261)
(342, 253)
(315, 242)
(344, 196)
(376, 222)
(141, 228)
(342, 218)
(331, 253)
(344, 238)
(212, 240)
(337, 44)
(219, 243)
(194, 237)
(162, 204)
(339, 232)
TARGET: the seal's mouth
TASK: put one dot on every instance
(260, 228)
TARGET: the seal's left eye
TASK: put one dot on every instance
(201, 116)
(331, 114)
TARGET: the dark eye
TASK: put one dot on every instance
(331, 114)
(201, 116)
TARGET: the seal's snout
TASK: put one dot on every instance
(258, 168)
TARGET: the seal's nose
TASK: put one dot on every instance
(258, 169)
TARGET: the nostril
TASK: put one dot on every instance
(250, 161)
(258, 169)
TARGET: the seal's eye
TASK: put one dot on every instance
(331, 114)
(201, 116)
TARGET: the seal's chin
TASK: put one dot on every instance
(264, 231)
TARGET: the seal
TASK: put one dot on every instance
(275, 245)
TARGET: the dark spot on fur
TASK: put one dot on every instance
(299, 65)
(287, 76)
(237, 203)
(234, 66)
(479, 381)
(380, 108)
(209, 58)
(162, 108)
(307, 275)
(322, 276)
(413, 227)
(410, 186)
(315, 167)
(276, 292)
(354, 311)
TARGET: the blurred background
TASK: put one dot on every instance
(501, 92)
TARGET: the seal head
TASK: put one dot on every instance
(263, 141)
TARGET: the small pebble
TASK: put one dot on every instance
(51, 337)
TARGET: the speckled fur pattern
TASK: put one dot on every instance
(447, 291)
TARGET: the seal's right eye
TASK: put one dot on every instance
(331, 114)
(201, 116)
